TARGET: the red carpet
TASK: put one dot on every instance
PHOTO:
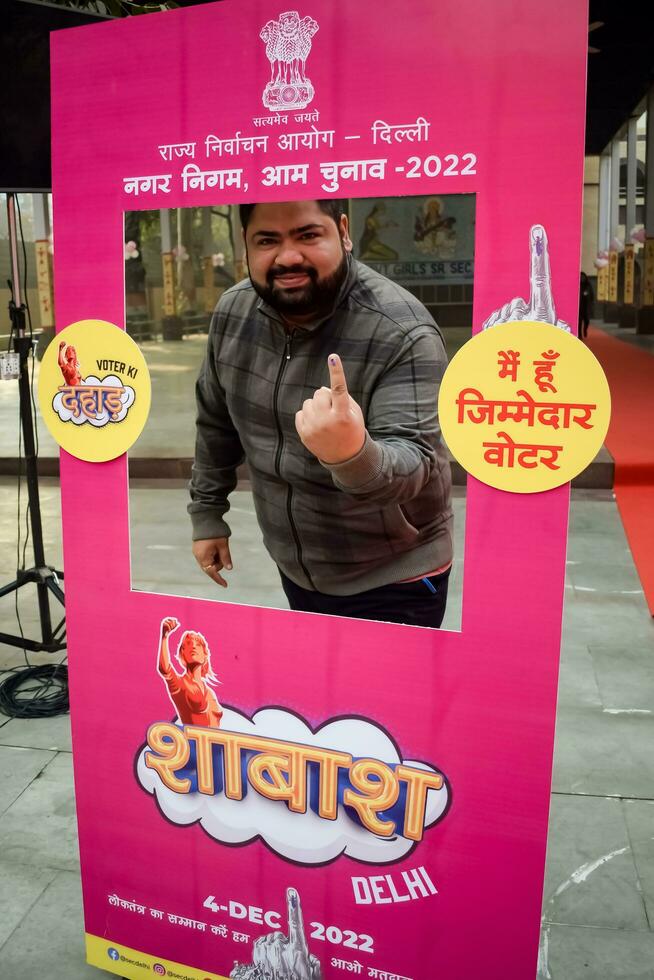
(630, 440)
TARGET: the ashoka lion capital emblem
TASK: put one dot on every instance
(288, 43)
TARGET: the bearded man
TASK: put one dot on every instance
(324, 376)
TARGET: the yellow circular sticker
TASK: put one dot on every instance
(94, 390)
(524, 406)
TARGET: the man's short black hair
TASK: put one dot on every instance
(331, 207)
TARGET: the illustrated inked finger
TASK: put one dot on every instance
(541, 304)
(295, 926)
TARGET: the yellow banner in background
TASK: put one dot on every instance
(129, 963)
(613, 277)
(44, 282)
(603, 284)
(629, 268)
(168, 264)
(648, 292)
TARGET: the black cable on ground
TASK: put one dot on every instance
(35, 692)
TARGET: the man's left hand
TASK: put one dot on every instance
(331, 423)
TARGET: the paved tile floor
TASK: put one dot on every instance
(598, 908)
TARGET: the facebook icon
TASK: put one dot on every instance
(113, 954)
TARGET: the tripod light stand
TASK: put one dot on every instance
(44, 576)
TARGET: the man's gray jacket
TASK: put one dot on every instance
(381, 517)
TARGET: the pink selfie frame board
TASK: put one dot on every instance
(501, 87)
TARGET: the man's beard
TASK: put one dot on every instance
(318, 296)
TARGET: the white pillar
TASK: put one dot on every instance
(632, 170)
(41, 217)
(649, 182)
(646, 314)
(604, 229)
(614, 214)
(43, 257)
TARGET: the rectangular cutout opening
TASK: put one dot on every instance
(177, 266)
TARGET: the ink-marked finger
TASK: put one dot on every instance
(541, 304)
(338, 384)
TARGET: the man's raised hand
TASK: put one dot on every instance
(541, 302)
(331, 424)
(212, 555)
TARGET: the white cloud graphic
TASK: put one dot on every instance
(305, 838)
(111, 381)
